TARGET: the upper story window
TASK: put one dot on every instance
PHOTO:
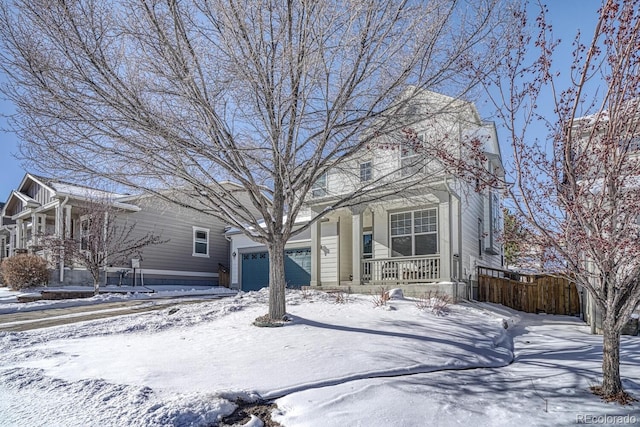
(414, 233)
(494, 223)
(319, 188)
(411, 160)
(200, 242)
(366, 171)
(495, 212)
(630, 145)
(480, 236)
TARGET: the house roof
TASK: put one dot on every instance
(300, 219)
(64, 188)
(61, 189)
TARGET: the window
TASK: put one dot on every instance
(366, 171)
(630, 144)
(494, 206)
(480, 236)
(200, 242)
(319, 188)
(85, 233)
(367, 245)
(414, 233)
(411, 161)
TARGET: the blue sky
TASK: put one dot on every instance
(567, 16)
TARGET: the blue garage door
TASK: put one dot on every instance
(255, 269)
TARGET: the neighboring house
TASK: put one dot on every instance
(195, 245)
(6, 227)
(438, 232)
(587, 160)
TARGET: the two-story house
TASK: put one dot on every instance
(432, 227)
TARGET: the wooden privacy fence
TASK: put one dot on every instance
(528, 293)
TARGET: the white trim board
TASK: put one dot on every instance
(165, 272)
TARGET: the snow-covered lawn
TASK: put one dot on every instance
(332, 365)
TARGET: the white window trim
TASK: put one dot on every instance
(370, 170)
(413, 233)
(319, 187)
(367, 255)
(415, 162)
(194, 241)
(81, 232)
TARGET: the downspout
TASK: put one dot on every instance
(60, 230)
(338, 270)
(231, 266)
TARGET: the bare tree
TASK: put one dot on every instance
(104, 239)
(579, 189)
(268, 94)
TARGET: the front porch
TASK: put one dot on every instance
(391, 243)
(401, 270)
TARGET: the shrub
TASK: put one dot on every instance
(436, 302)
(340, 297)
(23, 271)
(381, 299)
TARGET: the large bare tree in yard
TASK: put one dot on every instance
(270, 94)
(579, 190)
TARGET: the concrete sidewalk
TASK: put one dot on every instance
(16, 322)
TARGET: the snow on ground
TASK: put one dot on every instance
(8, 298)
(332, 365)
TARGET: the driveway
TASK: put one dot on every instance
(24, 321)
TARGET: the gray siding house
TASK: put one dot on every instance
(193, 251)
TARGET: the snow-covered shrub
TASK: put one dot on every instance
(22, 271)
(396, 293)
(340, 297)
(380, 299)
(434, 301)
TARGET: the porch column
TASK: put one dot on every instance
(356, 245)
(58, 221)
(315, 253)
(67, 222)
(12, 242)
(64, 233)
(34, 229)
(445, 241)
(19, 232)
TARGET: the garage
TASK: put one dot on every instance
(255, 269)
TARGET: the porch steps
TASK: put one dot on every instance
(29, 298)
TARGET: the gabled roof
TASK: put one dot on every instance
(61, 189)
(23, 197)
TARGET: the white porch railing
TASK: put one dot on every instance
(418, 269)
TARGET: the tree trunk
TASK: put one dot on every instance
(277, 307)
(611, 383)
(96, 281)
